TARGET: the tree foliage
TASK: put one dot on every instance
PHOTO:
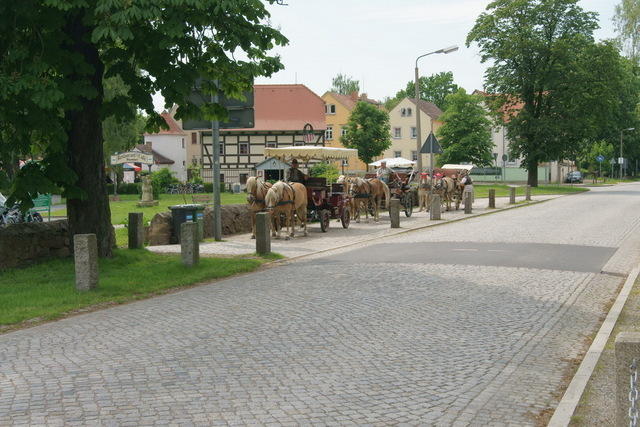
(325, 170)
(367, 130)
(434, 88)
(55, 56)
(344, 84)
(465, 135)
(550, 82)
(627, 20)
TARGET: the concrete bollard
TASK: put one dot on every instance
(136, 230)
(85, 253)
(189, 243)
(435, 212)
(627, 349)
(492, 198)
(394, 213)
(512, 195)
(527, 193)
(468, 205)
(263, 234)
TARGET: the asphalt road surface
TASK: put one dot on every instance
(469, 323)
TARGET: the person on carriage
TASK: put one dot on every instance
(467, 183)
(383, 173)
(295, 174)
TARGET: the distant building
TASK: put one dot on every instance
(402, 123)
(168, 147)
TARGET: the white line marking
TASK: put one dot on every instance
(464, 250)
(496, 250)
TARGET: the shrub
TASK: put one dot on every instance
(208, 187)
(163, 178)
(325, 170)
(130, 188)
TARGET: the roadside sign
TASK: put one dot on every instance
(620, 160)
(431, 141)
(612, 161)
(600, 158)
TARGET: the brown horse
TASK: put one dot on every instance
(287, 199)
(424, 196)
(369, 192)
(256, 192)
(445, 188)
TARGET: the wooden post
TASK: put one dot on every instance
(435, 212)
(528, 193)
(394, 213)
(263, 235)
(492, 198)
(467, 203)
(136, 230)
(512, 195)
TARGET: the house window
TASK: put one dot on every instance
(414, 155)
(345, 163)
(330, 108)
(183, 163)
(243, 178)
(182, 142)
(343, 131)
(221, 145)
(194, 161)
(328, 134)
(413, 132)
(243, 148)
(397, 154)
(194, 138)
(222, 178)
(405, 112)
(397, 132)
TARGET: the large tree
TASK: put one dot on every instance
(344, 84)
(554, 86)
(465, 135)
(56, 54)
(627, 20)
(367, 130)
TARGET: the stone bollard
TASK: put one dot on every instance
(394, 213)
(528, 193)
(512, 195)
(263, 233)
(189, 243)
(85, 253)
(468, 206)
(627, 349)
(492, 198)
(136, 230)
(435, 212)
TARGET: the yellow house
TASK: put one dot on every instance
(402, 121)
(338, 108)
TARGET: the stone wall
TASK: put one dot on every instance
(235, 219)
(23, 244)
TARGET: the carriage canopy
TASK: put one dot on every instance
(457, 167)
(306, 153)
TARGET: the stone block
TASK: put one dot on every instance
(468, 204)
(136, 230)
(492, 198)
(263, 235)
(512, 195)
(85, 251)
(394, 213)
(627, 350)
(159, 230)
(189, 243)
(436, 207)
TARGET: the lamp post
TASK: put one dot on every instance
(445, 50)
(621, 161)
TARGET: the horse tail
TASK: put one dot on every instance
(387, 194)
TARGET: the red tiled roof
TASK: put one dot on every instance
(429, 108)
(286, 107)
(509, 109)
(345, 100)
(174, 127)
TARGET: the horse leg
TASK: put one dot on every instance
(253, 225)
(302, 215)
(292, 220)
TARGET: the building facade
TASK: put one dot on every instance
(402, 121)
(169, 147)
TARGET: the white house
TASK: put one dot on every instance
(168, 148)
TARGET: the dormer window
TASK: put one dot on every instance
(405, 112)
(330, 108)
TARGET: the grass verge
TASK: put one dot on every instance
(46, 291)
(482, 190)
(128, 203)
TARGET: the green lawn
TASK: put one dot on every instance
(46, 291)
(482, 190)
(120, 210)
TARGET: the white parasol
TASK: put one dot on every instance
(394, 162)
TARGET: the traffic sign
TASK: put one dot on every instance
(431, 141)
(620, 160)
(600, 158)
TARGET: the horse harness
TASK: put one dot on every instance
(363, 195)
(293, 195)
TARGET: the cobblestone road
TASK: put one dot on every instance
(318, 341)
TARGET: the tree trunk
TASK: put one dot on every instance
(85, 152)
(532, 173)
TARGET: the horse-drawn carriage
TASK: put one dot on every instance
(452, 188)
(400, 181)
(324, 201)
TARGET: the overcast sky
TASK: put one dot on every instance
(377, 41)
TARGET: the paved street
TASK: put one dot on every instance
(468, 323)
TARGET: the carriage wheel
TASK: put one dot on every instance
(407, 202)
(345, 218)
(325, 219)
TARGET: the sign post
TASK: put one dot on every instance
(600, 159)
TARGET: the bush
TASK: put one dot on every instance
(208, 187)
(129, 188)
(162, 179)
(325, 170)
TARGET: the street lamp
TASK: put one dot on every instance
(621, 132)
(445, 50)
